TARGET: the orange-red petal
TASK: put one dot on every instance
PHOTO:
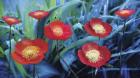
(10, 20)
(39, 14)
(125, 13)
(88, 27)
(104, 54)
(41, 44)
(18, 58)
(66, 30)
(88, 46)
(23, 44)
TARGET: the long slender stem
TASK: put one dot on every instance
(9, 60)
(9, 48)
(92, 73)
(34, 65)
(64, 60)
(81, 70)
(96, 71)
(69, 68)
(10, 39)
(123, 31)
(66, 76)
(34, 71)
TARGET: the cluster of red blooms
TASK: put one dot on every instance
(32, 51)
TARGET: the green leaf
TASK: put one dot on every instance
(55, 15)
(22, 70)
(45, 6)
(53, 45)
(88, 4)
(18, 12)
(29, 28)
(10, 62)
(3, 30)
(70, 9)
(1, 52)
(28, 22)
(63, 10)
(52, 3)
(1, 8)
(62, 1)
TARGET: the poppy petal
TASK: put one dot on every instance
(103, 58)
(95, 22)
(48, 33)
(21, 60)
(42, 44)
(22, 44)
(106, 52)
(82, 57)
(108, 30)
(62, 31)
(30, 51)
(18, 58)
(10, 20)
(39, 14)
(67, 32)
(89, 30)
(125, 13)
(89, 46)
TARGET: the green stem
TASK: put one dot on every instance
(10, 39)
(9, 49)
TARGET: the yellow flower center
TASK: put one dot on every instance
(30, 52)
(38, 13)
(93, 55)
(57, 31)
(124, 12)
(98, 28)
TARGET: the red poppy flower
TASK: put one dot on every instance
(93, 55)
(57, 30)
(30, 51)
(39, 14)
(125, 13)
(97, 27)
(10, 20)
